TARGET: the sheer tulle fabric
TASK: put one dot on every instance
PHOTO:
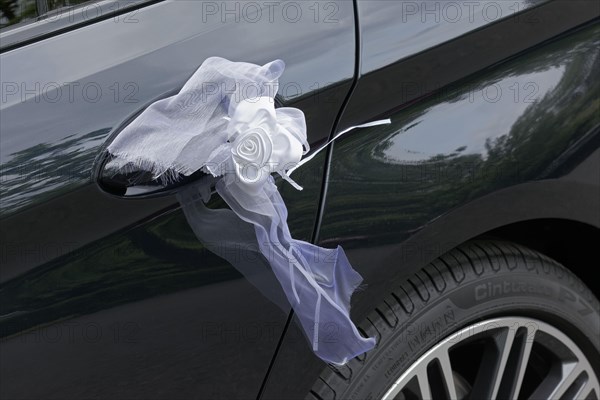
(223, 122)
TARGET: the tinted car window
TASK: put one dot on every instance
(23, 11)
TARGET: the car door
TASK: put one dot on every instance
(106, 297)
(397, 195)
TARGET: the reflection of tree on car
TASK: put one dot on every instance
(385, 175)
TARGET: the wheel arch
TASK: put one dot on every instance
(571, 243)
(559, 218)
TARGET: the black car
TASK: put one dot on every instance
(473, 216)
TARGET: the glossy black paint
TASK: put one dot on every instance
(396, 78)
(102, 85)
(91, 282)
(449, 169)
(153, 301)
(44, 154)
(394, 30)
(103, 297)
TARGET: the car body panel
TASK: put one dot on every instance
(394, 30)
(448, 169)
(464, 48)
(45, 155)
(103, 83)
(144, 313)
(105, 297)
(94, 293)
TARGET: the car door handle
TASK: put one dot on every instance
(136, 183)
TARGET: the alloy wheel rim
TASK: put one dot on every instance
(500, 358)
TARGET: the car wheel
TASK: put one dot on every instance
(488, 320)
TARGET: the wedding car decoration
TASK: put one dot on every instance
(224, 122)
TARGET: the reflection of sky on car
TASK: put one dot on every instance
(419, 25)
(63, 59)
(123, 50)
(133, 64)
(479, 107)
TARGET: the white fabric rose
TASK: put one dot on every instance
(252, 151)
(261, 143)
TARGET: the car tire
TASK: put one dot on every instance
(476, 285)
